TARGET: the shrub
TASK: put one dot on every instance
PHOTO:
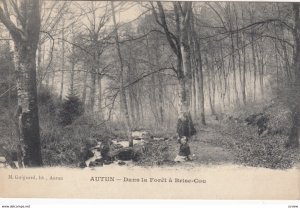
(71, 109)
(155, 153)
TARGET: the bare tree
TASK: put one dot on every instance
(295, 131)
(123, 101)
(180, 45)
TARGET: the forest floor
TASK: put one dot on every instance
(215, 144)
(230, 141)
(206, 147)
(252, 136)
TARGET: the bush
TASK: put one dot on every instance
(267, 150)
(155, 153)
(67, 146)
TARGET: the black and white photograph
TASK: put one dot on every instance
(124, 85)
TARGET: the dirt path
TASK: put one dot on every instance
(207, 148)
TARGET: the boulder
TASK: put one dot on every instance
(140, 134)
(95, 164)
(107, 162)
(129, 153)
(260, 120)
(82, 165)
(98, 162)
(262, 124)
(2, 159)
(92, 164)
(251, 120)
(125, 154)
(121, 163)
(158, 138)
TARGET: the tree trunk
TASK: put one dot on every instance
(160, 86)
(185, 126)
(123, 102)
(210, 84)
(93, 89)
(244, 75)
(254, 67)
(39, 61)
(200, 85)
(72, 76)
(26, 41)
(99, 80)
(295, 105)
(72, 72)
(62, 61)
(152, 94)
(84, 87)
(194, 92)
(261, 70)
(25, 56)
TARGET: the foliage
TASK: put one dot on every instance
(71, 109)
(155, 153)
(257, 150)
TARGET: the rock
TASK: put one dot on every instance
(107, 162)
(95, 164)
(262, 124)
(138, 141)
(92, 164)
(2, 159)
(116, 146)
(82, 165)
(158, 138)
(260, 120)
(121, 163)
(140, 134)
(99, 164)
(99, 160)
(125, 154)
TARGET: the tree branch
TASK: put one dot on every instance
(15, 32)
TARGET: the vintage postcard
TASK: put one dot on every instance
(149, 100)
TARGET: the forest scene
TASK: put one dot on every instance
(88, 84)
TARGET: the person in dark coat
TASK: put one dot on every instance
(184, 150)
